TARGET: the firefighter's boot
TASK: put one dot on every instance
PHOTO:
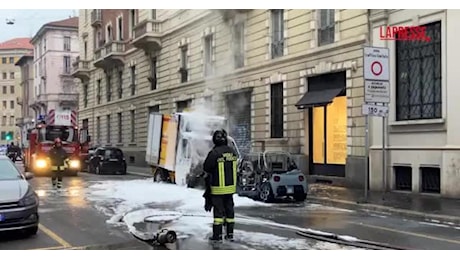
(229, 231)
(216, 234)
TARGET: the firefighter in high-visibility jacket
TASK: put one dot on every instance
(59, 161)
(220, 168)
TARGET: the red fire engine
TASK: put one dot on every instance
(40, 140)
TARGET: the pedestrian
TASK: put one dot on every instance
(220, 170)
(58, 158)
(11, 152)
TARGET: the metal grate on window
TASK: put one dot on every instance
(431, 179)
(403, 178)
(418, 82)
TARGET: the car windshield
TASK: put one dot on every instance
(9, 171)
(113, 154)
(65, 133)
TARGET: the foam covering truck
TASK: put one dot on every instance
(178, 144)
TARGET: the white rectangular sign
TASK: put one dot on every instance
(62, 118)
(376, 63)
(376, 91)
(375, 110)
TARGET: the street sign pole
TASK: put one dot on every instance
(384, 164)
(376, 99)
(366, 165)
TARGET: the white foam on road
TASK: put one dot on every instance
(181, 209)
(140, 192)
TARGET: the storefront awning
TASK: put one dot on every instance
(318, 98)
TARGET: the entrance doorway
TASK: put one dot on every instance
(327, 124)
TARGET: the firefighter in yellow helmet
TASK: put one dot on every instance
(220, 167)
(59, 159)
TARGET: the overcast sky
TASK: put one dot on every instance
(28, 22)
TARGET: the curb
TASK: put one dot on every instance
(385, 209)
(140, 174)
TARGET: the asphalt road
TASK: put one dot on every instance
(69, 221)
(377, 227)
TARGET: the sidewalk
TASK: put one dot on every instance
(422, 207)
(403, 204)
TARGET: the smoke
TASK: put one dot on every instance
(206, 114)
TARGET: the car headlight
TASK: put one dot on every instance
(74, 164)
(29, 199)
(41, 163)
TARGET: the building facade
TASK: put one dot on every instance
(27, 119)
(423, 144)
(55, 48)
(290, 78)
(10, 95)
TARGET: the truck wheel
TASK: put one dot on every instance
(157, 177)
(266, 193)
(300, 197)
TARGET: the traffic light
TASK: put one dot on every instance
(9, 136)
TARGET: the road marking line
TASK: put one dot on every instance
(54, 236)
(49, 248)
(408, 233)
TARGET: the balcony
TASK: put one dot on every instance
(96, 17)
(80, 69)
(64, 99)
(231, 13)
(147, 35)
(110, 55)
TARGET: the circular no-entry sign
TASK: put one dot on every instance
(376, 68)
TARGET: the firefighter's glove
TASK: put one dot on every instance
(207, 200)
(207, 204)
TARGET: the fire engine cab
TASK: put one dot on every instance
(40, 140)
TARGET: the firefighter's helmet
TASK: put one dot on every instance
(219, 137)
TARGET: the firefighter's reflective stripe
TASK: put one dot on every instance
(223, 189)
(230, 220)
(235, 170)
(55, 168)
(221, 171)
(218, 221)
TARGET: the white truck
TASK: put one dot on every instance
(178, 144)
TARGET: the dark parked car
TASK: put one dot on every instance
(18, 201)
(107, 160)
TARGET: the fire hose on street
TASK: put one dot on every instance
(167, 237)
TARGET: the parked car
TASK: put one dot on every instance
(107, 160)
(18, 201)
(271, 175)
